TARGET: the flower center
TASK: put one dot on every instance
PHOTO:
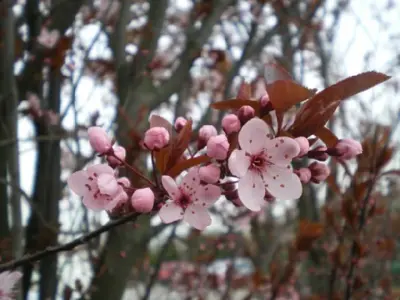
(184, 201)
(259, 161)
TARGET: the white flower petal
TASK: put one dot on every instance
(191, 181)
(239, 163)
(207, 195)
(251, 191)
(254, 135)
(108, 184)
(170, 186)
(282, 184)
(280, 151)
(99, 169)
(170, 212)
(77, 182)
(197, 216)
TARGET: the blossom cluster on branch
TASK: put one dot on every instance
(251, 162)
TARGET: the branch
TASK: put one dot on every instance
(68, 246)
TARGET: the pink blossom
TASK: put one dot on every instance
(98, 187)
(348, 149)
(48, 38)
(304, 145)
(264, 164)
(189, 200)
(142, 200)
(119, 152)
(156, 138)
(8, 280)
(210, 173)
(205, 133)
(245, 113)
(304, 175)
(319, 172)
(231, 124)
(180, 122)
(264, 100)
(217, 147)
(99, 139)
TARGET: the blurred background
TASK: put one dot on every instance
(70, 64)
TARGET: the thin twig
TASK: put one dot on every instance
(27, 259)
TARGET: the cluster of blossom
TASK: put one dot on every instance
(259, 170)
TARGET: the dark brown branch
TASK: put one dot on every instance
(27, 259)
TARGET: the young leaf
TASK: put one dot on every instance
(327, 136)
(195, 161)
(284, 94)
(244, 91)
(319, 109)
(179, 145)
(307, 233)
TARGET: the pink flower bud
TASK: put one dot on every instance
(99, 139)
(205, 133)
(180, 122)
(304, 145)
(156, 138)
(264, 100)
(231, 124)
(210, 173)
(119, 152)
(245, 113)
(348, 149)
(304, 174)
(319, 172)
(142, 200)
(217, 147)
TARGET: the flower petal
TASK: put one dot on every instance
(207, 195)
(77, 182)
(281, 150)
(95, 204)
(253, 136)
(170, 212)
(191, 181)
(251, 191)
(108, 184)
(99, 169)
(239, 163)
(197, 216)
(170, 186)
(282, 184)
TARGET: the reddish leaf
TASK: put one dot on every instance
(235, 104)
(178, 168)
(319, 109)
(327, 136)
(157, 121)
(179, 145)
(273, 72)
(244, 91)
(284, 94)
